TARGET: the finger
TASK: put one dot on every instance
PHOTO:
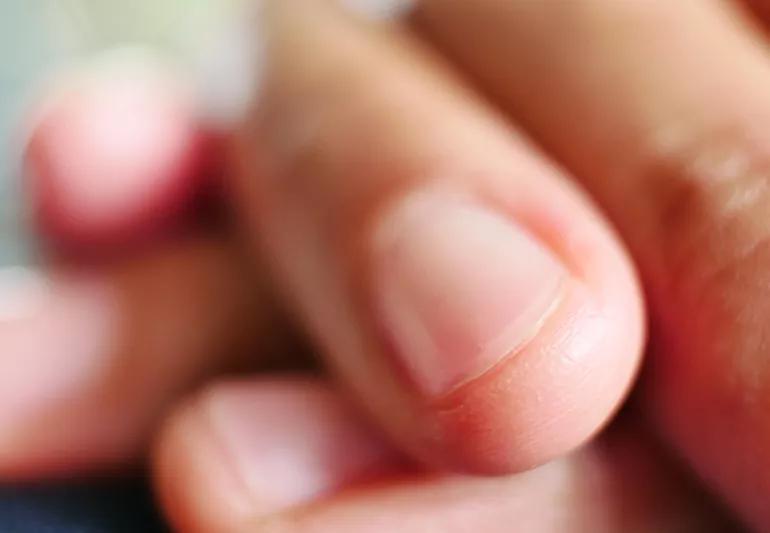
(659, 107)
(760, 8)
(116, 151)
(92, 359)
(240, 450)
(475, 303)
(290, 455)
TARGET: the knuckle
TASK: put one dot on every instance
(710, 195)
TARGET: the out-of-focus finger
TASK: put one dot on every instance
(290, 456)
(116, 152)
(91, 359)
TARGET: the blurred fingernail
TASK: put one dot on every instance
(459, 288)
(56, 337)
(289, 447)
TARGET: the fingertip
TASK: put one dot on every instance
(194, 490)
(569, 370)
(548, 399)
(116, 151)
(42, 317)
(243, 451)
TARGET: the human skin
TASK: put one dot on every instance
(338, 144)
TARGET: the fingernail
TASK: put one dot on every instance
(459, 288)
(289, 446)
(55, 339)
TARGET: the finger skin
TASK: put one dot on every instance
(661, 110)
(369, 128)
(242, 449)
(760, 8)
(299, 433)
(93, 358)
(116, 154)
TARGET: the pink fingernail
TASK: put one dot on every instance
(460, 287)
(291, 445)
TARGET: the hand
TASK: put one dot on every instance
(396, 120)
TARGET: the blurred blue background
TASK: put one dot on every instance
(25, 53)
